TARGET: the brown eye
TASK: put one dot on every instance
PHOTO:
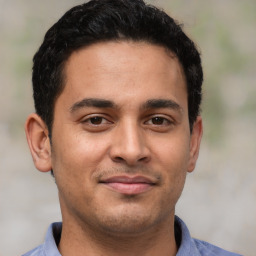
(158, 120)
(96, 120)
(159, 123)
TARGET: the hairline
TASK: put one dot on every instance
(62, 67)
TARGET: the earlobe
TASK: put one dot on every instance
(39, 142)
(195, 141)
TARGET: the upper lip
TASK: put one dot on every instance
(128, 179)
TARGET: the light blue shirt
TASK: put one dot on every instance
(188, 245)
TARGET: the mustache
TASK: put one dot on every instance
(103, 173)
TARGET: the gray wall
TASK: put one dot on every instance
(218, 202)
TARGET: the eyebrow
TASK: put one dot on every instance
(91, 102)
(161, 103)
(102, 103)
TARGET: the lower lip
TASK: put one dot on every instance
(129, 188)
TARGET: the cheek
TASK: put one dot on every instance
(74, 161)
(173, 158)
(78, 154)
(174, 172)
(173, 152)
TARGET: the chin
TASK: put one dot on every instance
(129, 221)
(125, 225)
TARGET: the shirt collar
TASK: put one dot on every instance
(186, 247)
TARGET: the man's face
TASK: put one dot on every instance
(121, 144)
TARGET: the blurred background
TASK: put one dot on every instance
(219, 200)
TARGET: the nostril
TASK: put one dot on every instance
(143, 159)
(119, 159)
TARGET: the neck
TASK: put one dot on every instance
(81, 239)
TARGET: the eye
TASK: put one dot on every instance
(158, 120)
(159, 123)
(96, 121)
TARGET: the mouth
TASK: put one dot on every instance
(128, 185)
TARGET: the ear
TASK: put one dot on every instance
(195, 140)
(39, 142)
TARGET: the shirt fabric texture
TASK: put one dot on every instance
(188, 245)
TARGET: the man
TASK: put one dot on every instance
(117, 91)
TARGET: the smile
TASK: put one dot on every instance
(128, 185)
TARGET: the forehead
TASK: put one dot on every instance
(113, 56)
(122, 70)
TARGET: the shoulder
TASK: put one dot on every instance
(38, 251)
(208, 249)
(195, 247)
(50, 245)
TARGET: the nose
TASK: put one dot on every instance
(129, 144)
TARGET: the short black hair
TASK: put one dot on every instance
(110, 20)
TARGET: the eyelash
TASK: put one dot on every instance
(89, 120)
(157, 123)
(164, 120)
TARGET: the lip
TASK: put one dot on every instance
(129, 185)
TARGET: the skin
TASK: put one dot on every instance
(123, 113)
